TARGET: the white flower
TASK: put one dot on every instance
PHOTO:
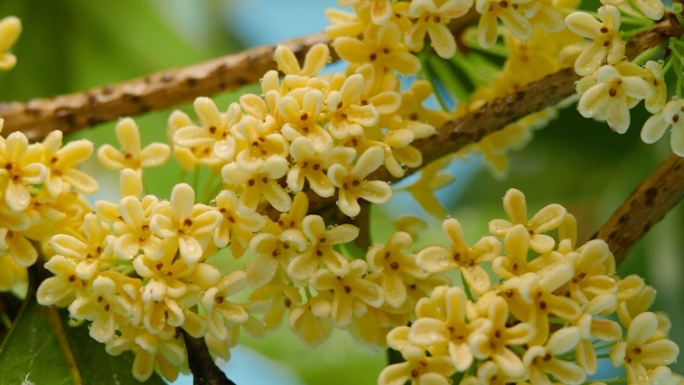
(607, 43)
(672, 115)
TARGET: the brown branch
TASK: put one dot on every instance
(647, 205)
(498, 113)
(204, 371)
(165, 89)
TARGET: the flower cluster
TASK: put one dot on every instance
(548, 318)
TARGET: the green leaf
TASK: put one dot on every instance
(31, 350)
(478, 69)
(350, 249)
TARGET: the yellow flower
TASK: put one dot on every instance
(492, 340)
(343, 23)
(672, 115)
(190, 158)
(531, 298)
(437, 259)
(282, 297)
(348, 290)
(384, 49)
(181, 220)
(274, 253)
(303, 120)
(348, 116)
(221, 314)
(164, 351)
(431, 17)
(316, 58)
(540, 360)
(261, 145)
(64, 287)
(238, 225)
(93, 253)
(262, 181)
(653, 9)
(391, 265)
(608, 95)
(132, 156)
(13, 240)
(506, 10)
(20, 165)
(321, 249)
(639, 351)
(308, 326)
(61, 162)
(380, 10)
(10, 28)
(655, 76)
(313, 166)
(548, 218)
(607, 43)
(11, 274)
(353, 186)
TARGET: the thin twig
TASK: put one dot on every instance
(647, 205)
(204, 371)
(165, 89)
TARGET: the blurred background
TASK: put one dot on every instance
(72, 45)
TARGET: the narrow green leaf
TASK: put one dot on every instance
(31, 351)
(478, 69)
(350, 249)
(446, 76)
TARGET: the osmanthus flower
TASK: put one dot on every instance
(273, 253)
(262, 181)
(165, 304)
(420, 371)
(310, 322)
(391, 265)
(265, 109)
(260, 145)
(20, 165)
(165, 351)
(435, 259)
(640, 351)
(653, 9)
(315, 60)
(320, 250)
(671, 116)
(653, 73)
(347, 115)
(214, 130)
(516, 247)
(312, 166)
(489, 373)
(131, 155)
(282, 298)
(13, 240)
(191, 157)
(540, 360)
(239, 224)
(607, 43)
(512, 17)
(131, 221)
(352, 183)
(302, 119)
(220, 312)
(383, 48)
(10, 28)
(91, 251)
(548, 218)
(61, 162)
(532, 297)
(65, 286)
(591, 277)
(451, 328)
(11, 274)
(181, 221)
(107, 304)
(344, 23)
(431, 17)
(592, 327)
(639, 303)
(348, 289)
(494, 338)
(380, 10)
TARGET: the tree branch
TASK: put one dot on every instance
(165, 89)
(495, 115)
(204, 371)
(647, 205)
